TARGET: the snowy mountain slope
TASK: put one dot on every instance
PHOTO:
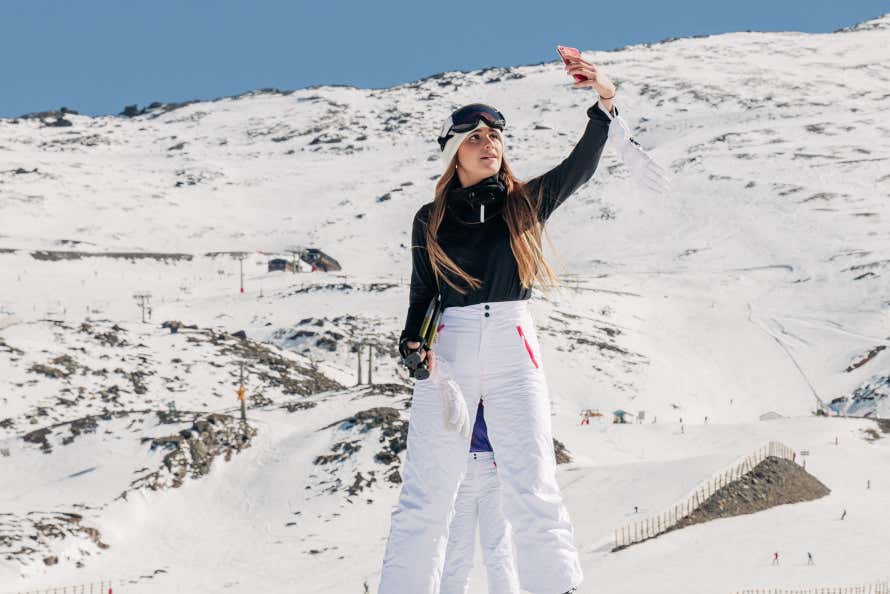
(759, 284)
(776, 142)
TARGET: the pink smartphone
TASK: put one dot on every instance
(570, 52)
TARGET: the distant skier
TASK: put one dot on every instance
(844, 515)
(810, 559)
(776, 558)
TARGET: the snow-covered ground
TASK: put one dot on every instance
(760, 284)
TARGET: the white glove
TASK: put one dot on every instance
(645, 171)
(454, 407)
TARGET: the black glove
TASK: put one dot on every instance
(411, 358)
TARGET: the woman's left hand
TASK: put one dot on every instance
(595, 77)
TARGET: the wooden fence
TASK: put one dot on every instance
(652, 526)
(876, 588)
(103, 587)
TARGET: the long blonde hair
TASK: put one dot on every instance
(521, 213)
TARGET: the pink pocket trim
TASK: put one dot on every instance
(528, 347)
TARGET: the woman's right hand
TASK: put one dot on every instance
(595, 78)
(413, 344)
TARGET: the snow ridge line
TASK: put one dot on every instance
(653, 526)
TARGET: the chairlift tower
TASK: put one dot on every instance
(144, 300)
(241, 258)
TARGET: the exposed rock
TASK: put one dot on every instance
(47, 371)
(386, 389)
(80, 426)
(175, 326)
(361, 483)
(191, 452)
(295, 406)
(110, 338)
(393, 435)
(871, 434)
(868, 400)
(271, 366)
(54, 256)
(59, 122)
(865, 358)
(301, 334)
(42, 115)
(342, 450)
(136, 379)
(39, 437)
(326, 343)
(561, 453)
(8, 348)
(37, 535)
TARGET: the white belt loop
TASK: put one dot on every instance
(482, 213)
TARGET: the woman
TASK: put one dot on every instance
(478, 502)
(478, 245)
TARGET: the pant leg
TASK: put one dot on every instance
(462, 535)
(434, 465)
(517, 412)
(494, 533)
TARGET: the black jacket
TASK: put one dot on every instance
(482, 249)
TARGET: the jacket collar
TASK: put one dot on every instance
(478, 202)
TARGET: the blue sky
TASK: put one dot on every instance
(98, 56)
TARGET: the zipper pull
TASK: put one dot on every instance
(482, 213)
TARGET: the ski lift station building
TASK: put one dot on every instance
(319, 260)
(281, 264)
(622, 416)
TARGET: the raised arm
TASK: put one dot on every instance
(561, 181)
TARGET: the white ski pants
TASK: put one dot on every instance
(493, 352)
(479, 503)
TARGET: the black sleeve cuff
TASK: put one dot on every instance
(596, 112)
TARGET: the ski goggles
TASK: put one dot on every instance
(467, 118)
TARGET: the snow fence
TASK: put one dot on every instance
(653, 526)
(103, 587)
(876, 588)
